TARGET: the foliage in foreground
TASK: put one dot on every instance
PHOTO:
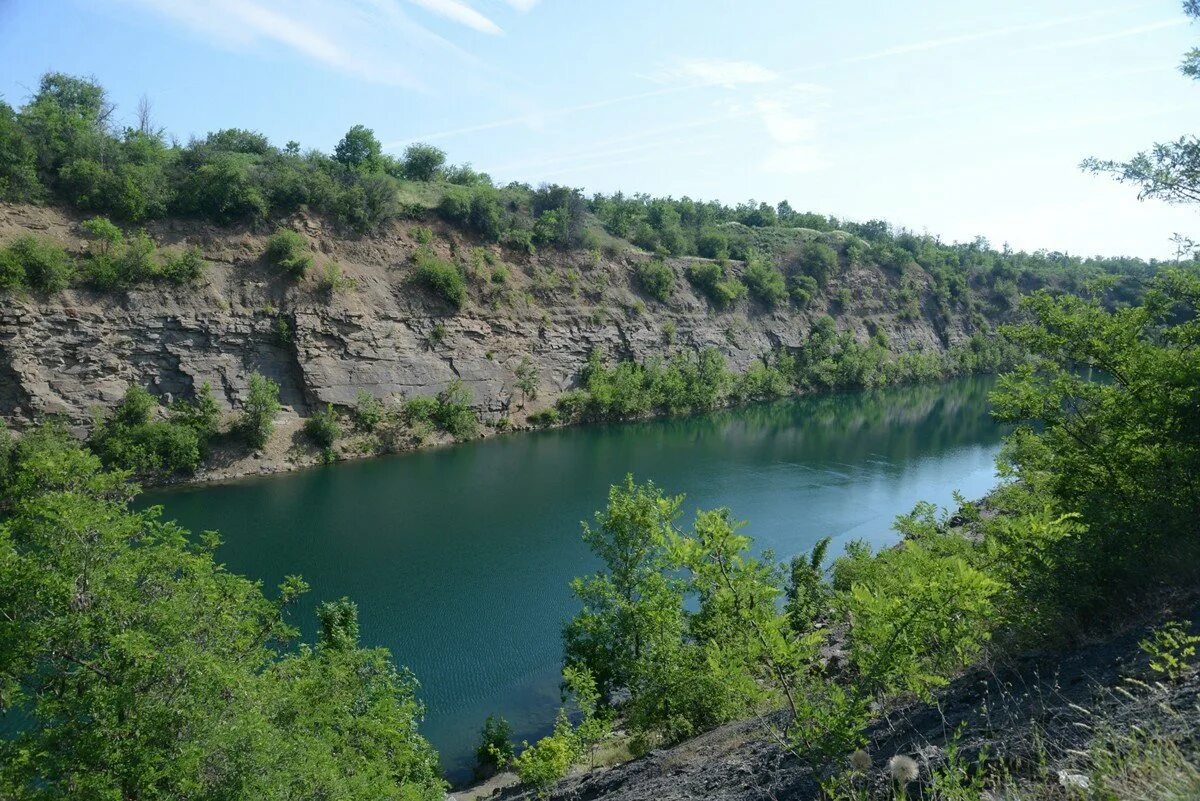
(143, 669)
(700, 630)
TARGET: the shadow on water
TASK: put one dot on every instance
(459, 558)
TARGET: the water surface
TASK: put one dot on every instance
(459, 558)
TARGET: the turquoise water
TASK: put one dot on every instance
(459, 558)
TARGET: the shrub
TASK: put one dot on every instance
(1171, 649)
(131, 440)
(442, 279)
(712, 244)
(550, 759)
(918, 612)
(454, 414)
(519, 239)
(711, 279)
(185, 267)
(420, 409)
(258, 413)
(323, 427)
(422, 162)
(289, 249)
(474, 207)
(656, 279)
(802, 289)
(819, 261)
(368, 411)
(28, 262)
(765, 282)
(333, 280)
(495, 748)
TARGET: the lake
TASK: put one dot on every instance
(459, 558)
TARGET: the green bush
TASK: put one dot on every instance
(289, 249)
(30, 263)
(656, 279)
(184, 267)
(420, 409)
(323, 427)
(130, 439)
(422, 162)
(540, 765)
(172, 654)
(442, 278)
(495, 749)
(259, 410)
(454, 414)
(819, 261)
(722, 290)
(368, 411)
(476, 208)
(802, 289)
(765, 282)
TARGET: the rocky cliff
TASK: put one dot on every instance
(77, 351)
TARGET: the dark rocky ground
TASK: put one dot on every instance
(1038, 713)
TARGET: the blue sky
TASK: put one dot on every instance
(960, 118)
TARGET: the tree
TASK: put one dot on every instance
(1169, 171)
(626, 604)
(527, 379)
(422, 162)
(258, 413)
(495, 750)
(359, 149)
(141, 668)
(1109, 400)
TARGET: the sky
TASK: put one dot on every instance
(954, 117)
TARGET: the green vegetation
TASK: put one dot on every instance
(442, 278)
(323, 427)
(289, 249)
(656, 279)
(141, 668)
(450, 411)
(30, 263)
(712, 279)
(258, 413)
(131, 439)
(765, 282)
(368, 411)
(495, 750)
(685, 383)
(1100, 505)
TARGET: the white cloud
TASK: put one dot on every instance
(719, 72)
(1122, 34)
(793, 133)
(522, 5)
(461, 13)
(306, 27)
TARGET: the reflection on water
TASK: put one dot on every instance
(459, 558)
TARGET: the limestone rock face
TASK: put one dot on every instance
(76, 352)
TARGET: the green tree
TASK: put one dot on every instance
(656, 279)
(359, 149)
(495, 750)
(1110, 399)
(527, 379)
(323, 427)
(141, 668)
(422, 162)
(259, 410)
(626, 603)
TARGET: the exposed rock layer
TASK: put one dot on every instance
(78, 351)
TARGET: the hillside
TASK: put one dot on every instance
(74, 353)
